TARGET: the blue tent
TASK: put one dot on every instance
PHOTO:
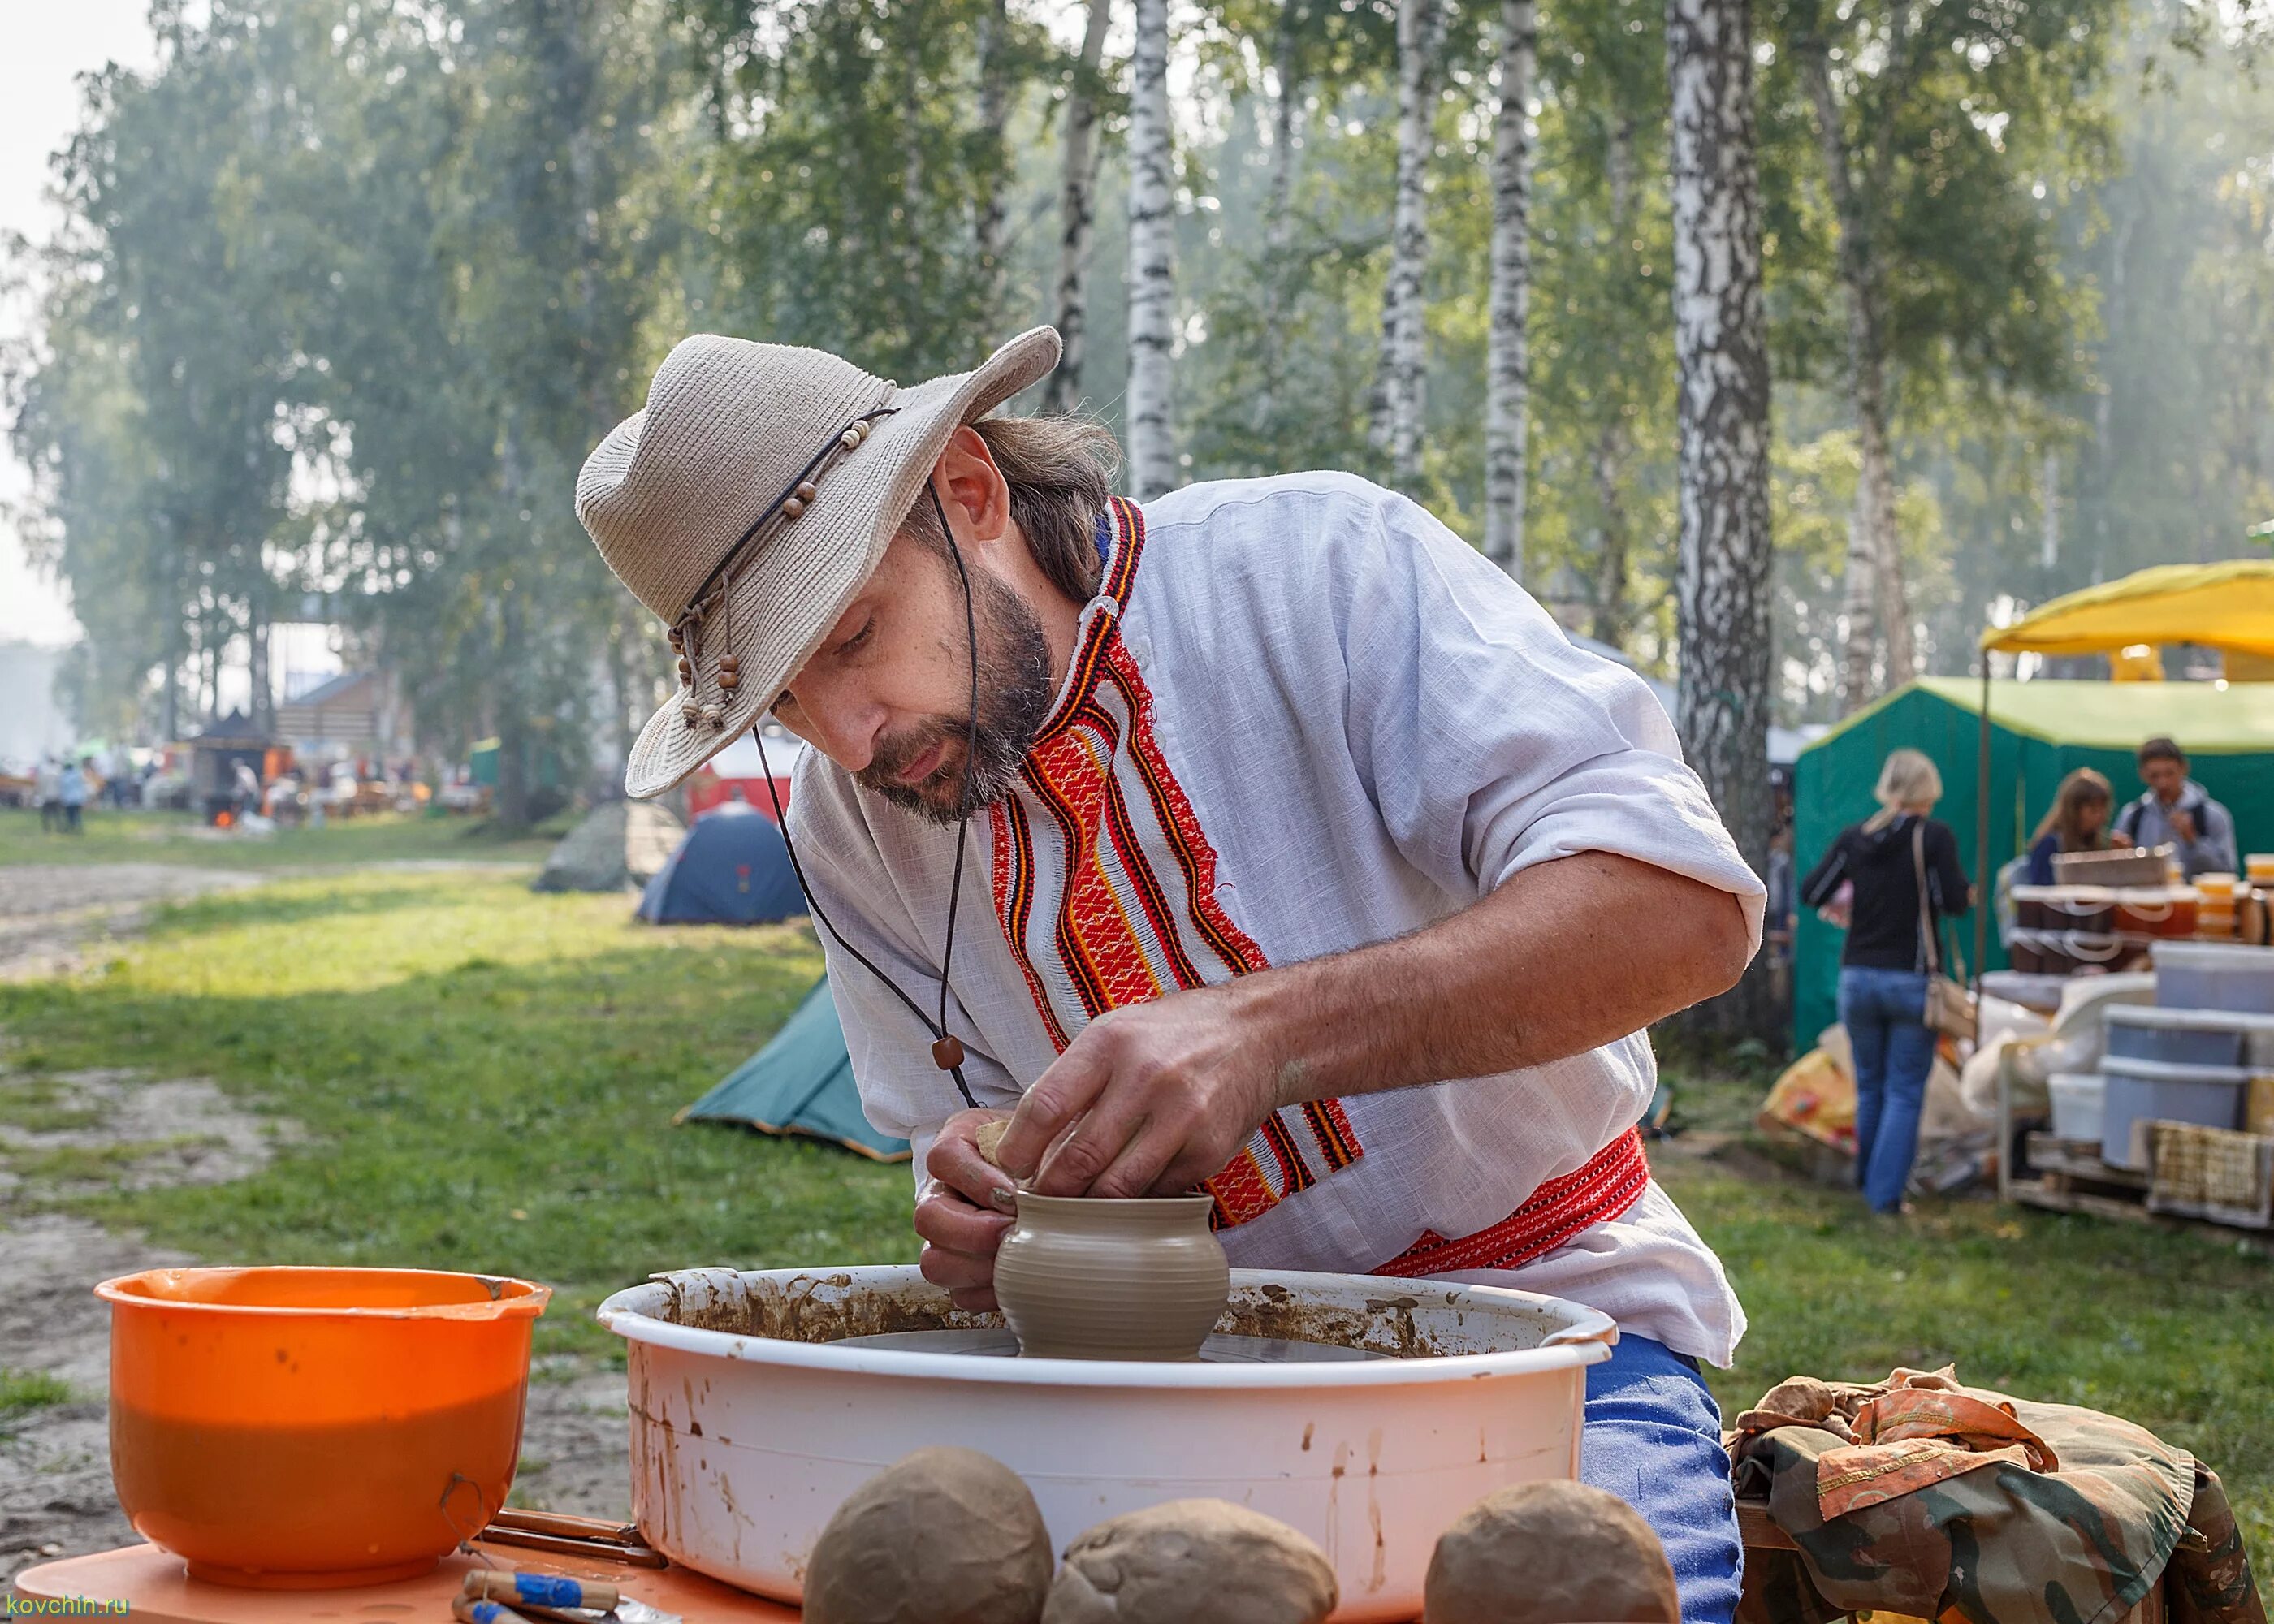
(801, 1082)
(731, 868)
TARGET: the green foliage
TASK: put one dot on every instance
(348, 291)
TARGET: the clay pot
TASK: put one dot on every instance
(1083, 1277)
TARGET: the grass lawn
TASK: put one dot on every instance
(487, 1078)
(110, 836)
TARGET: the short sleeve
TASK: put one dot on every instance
(1490, 743)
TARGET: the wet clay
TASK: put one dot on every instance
(1083, 1277)
(939, 1537)
(1550, 1553)
(280, 1505)
(1192, 1561)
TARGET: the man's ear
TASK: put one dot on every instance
(973, 490)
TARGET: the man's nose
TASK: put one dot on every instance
(843, 727)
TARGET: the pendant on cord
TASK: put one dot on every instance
(947, 1054)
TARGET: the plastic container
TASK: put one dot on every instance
(310, 1428)
(2216, 887)
(2064, 952)
(2090, 908)
(2077, 1097)
(2156, 910)
(2258, 867)
(2215, 975)
(2139, 1092)
(2185, 1037)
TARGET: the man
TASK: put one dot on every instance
(1280, 807)
(2178, 811)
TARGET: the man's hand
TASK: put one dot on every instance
(1149, 1099)
(964, 1213)
(2183, 824)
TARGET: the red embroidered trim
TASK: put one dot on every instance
(1556, 1213)
(1069, 776)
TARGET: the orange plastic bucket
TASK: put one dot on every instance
(311, 1428)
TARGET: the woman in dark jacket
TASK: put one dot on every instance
(1883, 968)
(2077, 822)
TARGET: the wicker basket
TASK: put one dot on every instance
(2212, 1173)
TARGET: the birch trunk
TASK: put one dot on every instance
(1721, 368)
(1508, 361)
(1152, 258)
(994, 116)
(1610, 462)
(1405, 377)
(1279, 198)
(1877, 601)
(1078, 212)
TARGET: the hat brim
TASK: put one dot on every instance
(779, 608)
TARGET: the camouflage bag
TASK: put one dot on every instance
(1992, 1540)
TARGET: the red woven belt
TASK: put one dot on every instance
(1556, 1213)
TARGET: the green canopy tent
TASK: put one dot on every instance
(2039, 732)
(799, 1083)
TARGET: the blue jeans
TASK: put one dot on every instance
(1884, 1013)
(1654, 1439)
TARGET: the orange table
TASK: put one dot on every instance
(158, 1590)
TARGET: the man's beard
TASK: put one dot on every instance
(1015, 691)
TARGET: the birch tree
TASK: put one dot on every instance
(995, 163)
(1151, 433)
(1940, 131)
(1508, 358)
(1722, 369)
(1404, 350)
(1077, 210)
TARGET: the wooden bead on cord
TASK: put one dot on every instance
(947, 1054)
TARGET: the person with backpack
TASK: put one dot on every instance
(1895, 876)
(2177, 812)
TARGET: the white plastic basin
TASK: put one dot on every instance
(749, 1423)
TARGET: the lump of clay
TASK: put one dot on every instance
(1550, 1553)
(1192, 1562)
(941, 1537)
(989, 1137)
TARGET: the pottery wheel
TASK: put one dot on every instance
(1218, 1350)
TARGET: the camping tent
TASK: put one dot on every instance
(801, 1082)
(2039, 732)
(625, 842)
(731, 868)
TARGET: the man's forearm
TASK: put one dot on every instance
(1564, 958)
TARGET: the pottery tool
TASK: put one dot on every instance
(467, 1610)
(567, 1536)
(557, 1595)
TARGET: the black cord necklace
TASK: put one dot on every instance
(946, 1048)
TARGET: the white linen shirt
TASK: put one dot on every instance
(1372, 727)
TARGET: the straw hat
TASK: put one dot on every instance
(749, 501)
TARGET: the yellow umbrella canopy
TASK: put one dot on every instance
(2228, 605)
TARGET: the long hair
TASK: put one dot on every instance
(1060, 473)
(1906, 779)
(2081, 789)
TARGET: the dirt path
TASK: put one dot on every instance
(119, 1127)
(56, 918)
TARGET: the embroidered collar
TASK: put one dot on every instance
(1121, 544)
